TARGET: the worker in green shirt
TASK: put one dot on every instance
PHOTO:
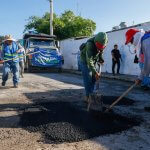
(91, 53)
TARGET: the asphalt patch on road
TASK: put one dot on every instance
(65, 122)
(124, 101)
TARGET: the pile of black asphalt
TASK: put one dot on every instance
(62, 122)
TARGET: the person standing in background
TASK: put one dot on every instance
(21, 59)
(116, 57)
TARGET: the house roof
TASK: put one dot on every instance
(134, 26)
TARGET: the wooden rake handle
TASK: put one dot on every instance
(118, 99)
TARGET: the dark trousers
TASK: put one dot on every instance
(114, 64)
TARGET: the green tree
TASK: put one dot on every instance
(1, 38)
(65, 26)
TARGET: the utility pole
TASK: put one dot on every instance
(51, 17)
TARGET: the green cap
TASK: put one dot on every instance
(102, 38)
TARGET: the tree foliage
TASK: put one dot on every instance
(1, 38)
(65, 26)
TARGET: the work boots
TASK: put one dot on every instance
(3, 83)
(15, 85)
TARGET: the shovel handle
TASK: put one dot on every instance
(118, 99)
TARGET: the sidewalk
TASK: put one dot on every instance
(128, 78)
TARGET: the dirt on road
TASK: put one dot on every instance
(47, 112)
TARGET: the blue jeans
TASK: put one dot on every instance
(146, 80)
(88, 79)
(141, 65)
(7, 68)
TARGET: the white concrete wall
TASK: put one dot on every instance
(70, 48)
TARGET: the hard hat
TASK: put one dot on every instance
(130, 33)
(9, 38)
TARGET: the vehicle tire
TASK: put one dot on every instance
(60, 70)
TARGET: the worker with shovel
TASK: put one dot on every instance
(91, 53)
(141, 39)
(10, 52)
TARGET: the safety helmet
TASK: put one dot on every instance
(129, 34)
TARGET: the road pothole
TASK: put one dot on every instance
(66, 122)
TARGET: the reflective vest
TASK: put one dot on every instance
(9, 52)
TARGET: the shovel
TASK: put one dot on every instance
(118, 99)
(96, 91)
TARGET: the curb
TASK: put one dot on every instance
(127, 78)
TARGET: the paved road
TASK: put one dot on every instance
(47, 87)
